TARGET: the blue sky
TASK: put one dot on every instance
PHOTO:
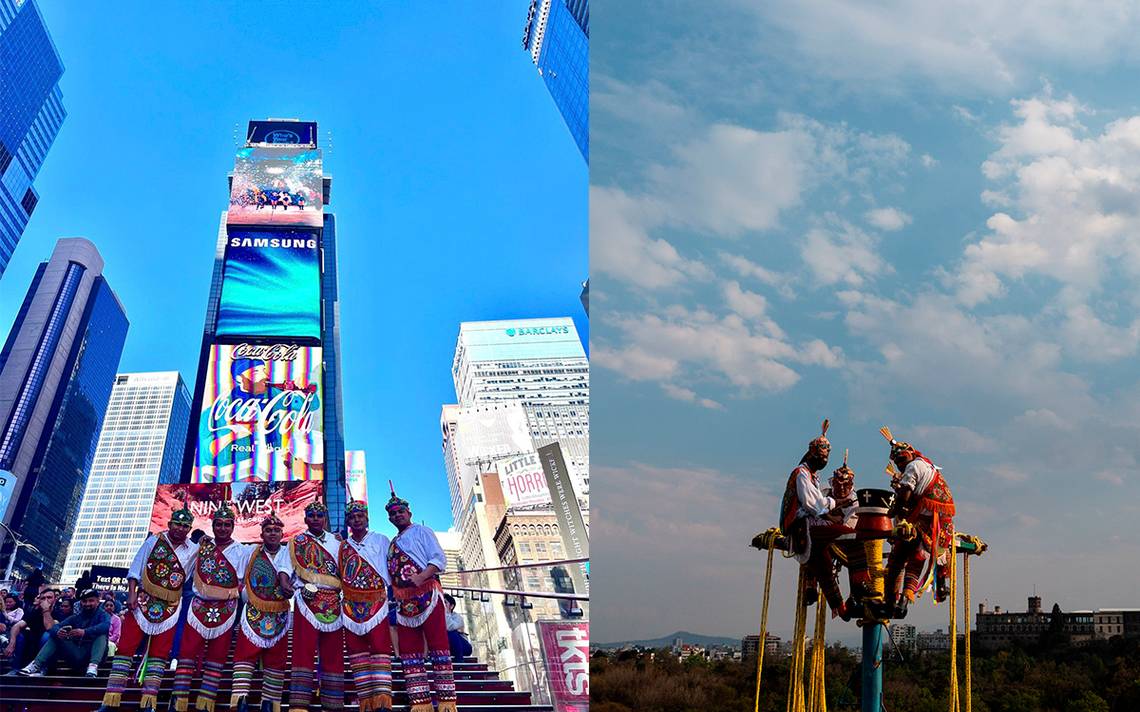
(897, 214)
(458, 190)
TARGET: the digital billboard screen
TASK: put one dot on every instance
(271, 284)
(282, 131)
(276, 185)
(251, 502)
(261, 416)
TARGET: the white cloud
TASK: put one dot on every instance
(620, 244)
(978, 46)
(840, 253)
(957, 437)
(888, 218)
(747, 268)
(689, 396)
(928, 161)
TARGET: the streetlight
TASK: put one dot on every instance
(17, 543)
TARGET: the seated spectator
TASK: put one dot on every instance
(81, 639)
(12, 615)
(27, 636)
(456, 637)
(64, 607)
(116, 626)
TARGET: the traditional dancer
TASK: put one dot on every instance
(922, 498)
(213, 610)
(852, 553)
(264, 572)
(812, 521)
(161, 565)
(415, 561)
(314, 555)
(364, 577)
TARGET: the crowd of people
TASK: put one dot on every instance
(360, 593)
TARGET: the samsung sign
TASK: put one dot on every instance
(538, 330)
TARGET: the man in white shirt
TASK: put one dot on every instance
(161, 567)
(318, 624)
(812, 521)
(415, 561)
(922, 498)
(264, 573)
(364, 577)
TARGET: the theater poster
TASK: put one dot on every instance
(261, 417)
(566, 650)
(275, 185)
(251, 503)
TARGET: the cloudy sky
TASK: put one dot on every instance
(893, 214)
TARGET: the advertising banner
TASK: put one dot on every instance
(271, 284)
(251, 502)
(7, 487)
(276, 185)
(261, 414)
(571, 524)
(109, 578)
(269, 131)
(522, 480)
(566, 652)
(355, 475)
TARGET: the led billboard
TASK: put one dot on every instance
(271, 284)
(261, 415)
(251, 502)
(276, 185)
(356, 475)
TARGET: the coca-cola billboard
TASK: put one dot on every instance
(261, 417)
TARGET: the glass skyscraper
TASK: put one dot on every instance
(139, 448)
(56, 372)
(31, 113)
(557, 35)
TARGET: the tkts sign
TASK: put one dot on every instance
(566, 650)
(261, 414)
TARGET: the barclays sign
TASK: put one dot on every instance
(538, 330)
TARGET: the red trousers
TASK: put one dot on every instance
(194, 648)
(378, 640)
(307, 640)
(274, 657)
(273, 661)
(416, 680)
(132, 636)
(370, 660)
(821, 563)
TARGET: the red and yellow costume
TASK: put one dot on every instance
(421, 615)
(318, 623)
(264, 626)
(160, 568)
(364, 611)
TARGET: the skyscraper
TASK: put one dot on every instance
(139, 448)
(31, 113)
(540, 365)
(270, 343)
(557, 35)
(56, 373)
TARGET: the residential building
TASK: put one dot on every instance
(31, 114)
(140, 447)
(57, 369)
(904, 636)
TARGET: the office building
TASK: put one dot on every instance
(272, 323)
(557, 36)
(57, 369)
(538, 364)
(31, 114)
(139, 448)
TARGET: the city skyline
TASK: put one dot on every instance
(410, 271)
(903, 215)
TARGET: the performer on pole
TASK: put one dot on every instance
(812, 521)
(852, 552)
(314, 555)
(415, 560)
(161, 566)
(364, 576)
(213, 610)
(264, 573)
(922, 498)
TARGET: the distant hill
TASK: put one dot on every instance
(667, 641)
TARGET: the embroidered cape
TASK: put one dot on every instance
(315, 565)
(267, 617)
(365, 593)
(213, 609)
(414, 603)
(161, 595)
